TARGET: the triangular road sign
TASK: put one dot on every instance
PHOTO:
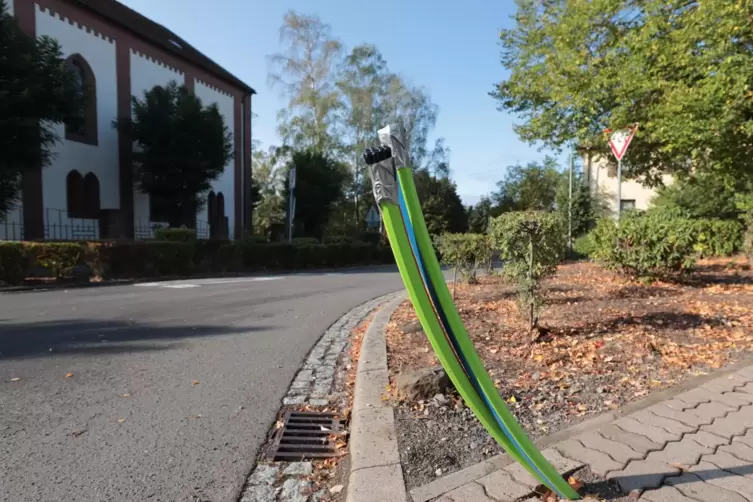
(620, 140)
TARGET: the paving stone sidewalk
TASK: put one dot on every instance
(696, 446)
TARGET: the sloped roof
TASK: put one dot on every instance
(160, 36)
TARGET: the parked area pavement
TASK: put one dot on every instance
(157, 391)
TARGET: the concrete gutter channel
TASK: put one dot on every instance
(376, 473)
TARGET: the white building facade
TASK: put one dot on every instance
(88, 192)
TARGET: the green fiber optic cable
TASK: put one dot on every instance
(434, 272)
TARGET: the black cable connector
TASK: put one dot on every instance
(375, 155)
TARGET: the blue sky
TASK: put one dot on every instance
(447, 46)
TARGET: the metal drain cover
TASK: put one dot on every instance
(305, 435)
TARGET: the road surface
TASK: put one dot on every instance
(159, 392)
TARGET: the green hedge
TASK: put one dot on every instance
(180, 256)
(175, 234)
(718, 237)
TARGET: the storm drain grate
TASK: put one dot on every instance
(306, 435)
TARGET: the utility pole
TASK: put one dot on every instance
(291, 203)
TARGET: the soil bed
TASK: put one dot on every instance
(605, 341)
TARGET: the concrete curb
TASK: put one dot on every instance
(375, 471)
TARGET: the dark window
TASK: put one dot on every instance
(91, 196)
(83, 127)
(220, 212)
(211, 206)
(627, 205)
(74, 190)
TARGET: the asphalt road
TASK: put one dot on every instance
(174, 385)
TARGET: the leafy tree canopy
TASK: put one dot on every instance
(680, 68)
(532, 187)
(182, 147)
(37, 93)
(441, 204)
(704, 196)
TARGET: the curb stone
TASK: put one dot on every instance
(375, 471)
(312, 385)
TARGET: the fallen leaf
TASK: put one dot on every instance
(69, 375)
(196, 382)
(336, 489)
(15, 379)
(121, 420)
(279, 424)
(125, 395)
(324, 428)
(512, 400)
(494, 350)
(575, 483)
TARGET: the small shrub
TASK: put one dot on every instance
(304, 241)
(13, 262)
(464, 253)
(531, 244)
(646, 245)
(583, 246)
(60, 258)
(130, 259)
(175, 234)
(717, 237)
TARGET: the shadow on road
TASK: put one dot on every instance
(99, 336)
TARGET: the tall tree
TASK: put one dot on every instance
(305, 72)
(442, 207)
(37, 92)
(319, 184)
(532, 187)
(479, 215)
(705, 196)
(680, 68)
(182, 147)
(268, 178)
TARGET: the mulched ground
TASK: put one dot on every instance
(605, 341)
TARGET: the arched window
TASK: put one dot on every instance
(74, 190)
(83, 127)
(211, 206)
(220, 214)
(91, 196)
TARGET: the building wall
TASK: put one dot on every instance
(147, 72)
(226, 182)
(631, 189)
(100, 159)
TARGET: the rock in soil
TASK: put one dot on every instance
(412, 327)
(422, 384)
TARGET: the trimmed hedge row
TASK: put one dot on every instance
(177, 254)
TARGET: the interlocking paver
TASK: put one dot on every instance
(696, 396)
(501, 486)
(693, 486)
(618, 451)
(638, 442)
(721, 385)
(642, 475)
(673, 426)
(707, 439)
(521, 475)
(738, 449)
(725, 479)
(678, 404)
(709, 412)
(685, 452)
(655, 434)
(666, 494)
(471, 492)
(743, 398)
(686, 417)
(734, 424)
(600, 462)
(747, 388)
(561, 464)
(747, 438)
(746, 373)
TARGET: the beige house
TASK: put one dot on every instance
(602, 177)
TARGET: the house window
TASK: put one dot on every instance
(74, 190)
(91, 196)
(627, 205)
(83, 127)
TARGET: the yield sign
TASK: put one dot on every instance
(620, 140)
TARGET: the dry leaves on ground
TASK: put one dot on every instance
(604, 340)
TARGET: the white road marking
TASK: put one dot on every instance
(147, 284)
(181, 286)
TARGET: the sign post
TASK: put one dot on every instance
(619, 141)
(291, 205)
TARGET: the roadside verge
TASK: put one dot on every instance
(375, 470)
